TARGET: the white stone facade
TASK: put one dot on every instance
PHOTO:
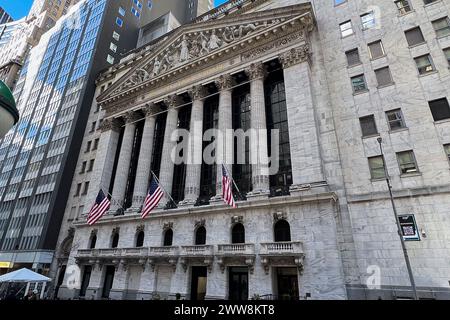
(341, 221)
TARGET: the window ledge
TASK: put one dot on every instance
(428, 73)
(443, 37)
(360, 92)
(398, 130)
(371, 136)
(378, 179)
(405, 14)
(356, 65)
(442, 121)
(347, 36)
(407, 175)
(431, 4)
(416, 45)
(386, 85)
(378, 58)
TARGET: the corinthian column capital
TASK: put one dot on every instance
(295, 56)
(172, 101)
(130, 117)
(256, 71)
(197, 92)
(224, 82)
(110, 124)
(151, 109)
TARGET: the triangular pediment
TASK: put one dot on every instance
(195, 43)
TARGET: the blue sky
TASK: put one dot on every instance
(19, 8)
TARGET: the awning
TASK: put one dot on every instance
(24, 275)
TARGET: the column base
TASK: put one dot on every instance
(258, 194)
(187, 203)
(309, 188)
(216, 200)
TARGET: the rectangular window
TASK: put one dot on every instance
(395, 119)
(86, 188)
(409, 227)
(119, 22)
(442, 27)
(77, 192)
(376, 166)
(346, 29)
(95, 146)
(83, 167)
(424, 64)
(368, 126)
(91, 165)
(113, 47)
(376, 49)
(88, 146)
(414, 36)
(429, 1)
(116, 36)
(368, 20)
(403, 6)
(447, 151)
(384, 77)
(359, 84)
(93, 124)
(440, 109)
(407, 162)
(353, 57)
(110, 59)
(447, 54)
(338, 2)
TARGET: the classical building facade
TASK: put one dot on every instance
(330, 80)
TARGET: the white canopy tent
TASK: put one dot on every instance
(25, 276)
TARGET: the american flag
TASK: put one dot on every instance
(99, 208)
(154, 195)
(227, 188)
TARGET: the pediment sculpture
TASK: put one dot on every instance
(191, 46)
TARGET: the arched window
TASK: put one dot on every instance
(238, 233)
(282, 231)
(140, 239)
(168, 238)
(93, 242)
(200, 236)
(115, 240)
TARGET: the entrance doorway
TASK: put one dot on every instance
(198, 283)
(287, 280)
(107, 284)
(238, 283)
(85, 280)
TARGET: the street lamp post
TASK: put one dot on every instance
(399, 231)
(9, 115)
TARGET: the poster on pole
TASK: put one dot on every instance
(409, 228)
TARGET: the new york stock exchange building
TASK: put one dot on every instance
(320, 226)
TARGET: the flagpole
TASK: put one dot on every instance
(164, 189)
(115, 201)
(234, 182)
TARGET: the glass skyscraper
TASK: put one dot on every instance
(54, 93)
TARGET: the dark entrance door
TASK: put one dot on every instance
(238, 284)
(287, 280)
(198, 285)
(62, 272)
(109, 278)
(85, 281)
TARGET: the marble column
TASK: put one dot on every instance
(224, 146)
(195, 148)
(145, 158)
(167, 162)
(123, 166)
(303, 129)
(104, 160)
(258, 143)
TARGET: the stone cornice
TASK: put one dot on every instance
(144, 77)
(272, 203)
